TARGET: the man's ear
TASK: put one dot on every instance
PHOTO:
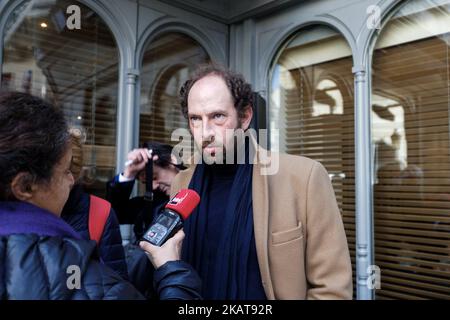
(247, 119)
(22, 186)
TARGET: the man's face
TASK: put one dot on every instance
(211, 112)
(163, 177)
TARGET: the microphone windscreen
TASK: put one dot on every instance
(184, 202)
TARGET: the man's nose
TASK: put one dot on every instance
(155, 184)
(207, 132)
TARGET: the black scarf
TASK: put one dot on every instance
(231, 278)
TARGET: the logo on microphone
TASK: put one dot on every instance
(175, 200)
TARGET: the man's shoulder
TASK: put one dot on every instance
(289, 163)
(295, 158)
(186, 171)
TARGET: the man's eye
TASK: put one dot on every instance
(193, 118)
(219, 116)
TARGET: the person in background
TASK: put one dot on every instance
(76, 212)
(118, 190)
(137, 211)
(42, 256)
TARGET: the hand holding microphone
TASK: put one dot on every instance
(171, 220)
(169, 251)
(162, 241)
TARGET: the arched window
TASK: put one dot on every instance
(166, 65)
(410, 136)
(76, 69)
(311, 110)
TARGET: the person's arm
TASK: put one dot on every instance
(177, 280)
(119, 189)
(118, 194)
(114, 287)
(110, 246)
(173, 279)
(328, 265)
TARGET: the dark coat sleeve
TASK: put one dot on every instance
(177, 280)
(119, 289)
(102, 283)
(140, 271)
(110, 246)
(118, 194)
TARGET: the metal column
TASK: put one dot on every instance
(363, 185)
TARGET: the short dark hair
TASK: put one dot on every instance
(33, 139)
(164, 152)
(240, 90)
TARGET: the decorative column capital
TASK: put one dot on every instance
(132, 76)
(360, 74)
(361, 250)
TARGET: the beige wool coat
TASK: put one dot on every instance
(300, 240)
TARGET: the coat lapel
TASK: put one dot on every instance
(182, 180)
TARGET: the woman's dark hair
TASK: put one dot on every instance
(33, 138)
(163, 151)
(240, 90)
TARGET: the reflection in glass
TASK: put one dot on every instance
(76, 69)
(327, 99)
(311, 110)
(410, 137)
(167, 62)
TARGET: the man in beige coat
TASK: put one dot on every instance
(301, 247)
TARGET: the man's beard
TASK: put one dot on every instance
(220, 154)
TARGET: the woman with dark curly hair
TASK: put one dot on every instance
(42, 257)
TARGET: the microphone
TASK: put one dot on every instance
(177, 210)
